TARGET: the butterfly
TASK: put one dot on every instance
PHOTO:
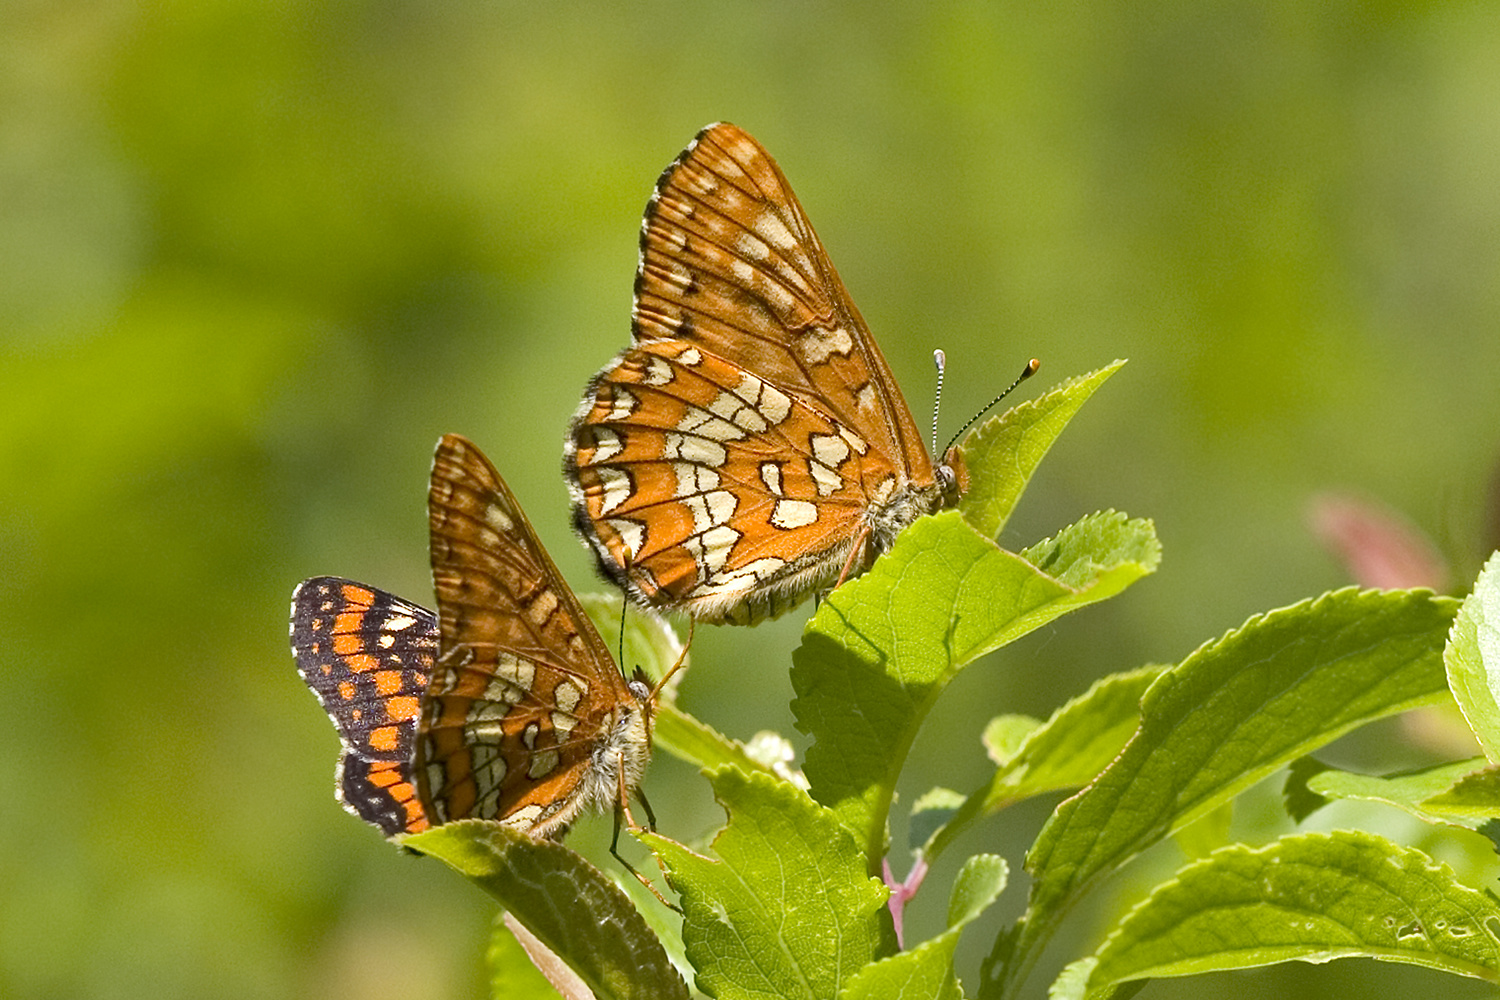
(751, 446)
(505, 705)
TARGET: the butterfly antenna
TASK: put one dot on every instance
(941, 360)
(1026, 373)
(620, 652)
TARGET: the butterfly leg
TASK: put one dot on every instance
(650, 816)
(622, 809)
(854, 550)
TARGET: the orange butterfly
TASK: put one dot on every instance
(506, 705)
(752, 442)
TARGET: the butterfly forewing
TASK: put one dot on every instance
(731, 264)
(726, 464)
(524, 692)
(368, 655)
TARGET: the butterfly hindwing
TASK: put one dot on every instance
(368, 655)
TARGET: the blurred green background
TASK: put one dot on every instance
(254, 259)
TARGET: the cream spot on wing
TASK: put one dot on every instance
(865, 396)
(705, 424)
(732, 407)
(694, 449)
(694, 478)
(541, 764)
(882, 492)
(437, 779)
(487, 758)
(770, 474)
(825, 479)
(542, 606)
(830, 449)
(498, 519)
(854, 440)
(777, 295)
(607, 445)
(616, 487)
(711, 509)
(658, 371)
(528, 735)
(524, 817)
(690, 357)
(632, 534)
(771, 229)
(744, 272)
(566, 695)
(711, 549)
(562, 724)
(518, 672)
(770, 403)
(752, 247)
(745, 578)
(396, 623)
(818, 344)
(621, 404)
(789, 514)
(677, 274)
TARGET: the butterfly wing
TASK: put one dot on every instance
(524, 691)
(368, 655)
(709, 489)
(731, 264)
(727, 463)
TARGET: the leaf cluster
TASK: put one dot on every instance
(793, 897)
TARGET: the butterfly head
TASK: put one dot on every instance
(952, 477)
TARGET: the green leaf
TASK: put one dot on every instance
(569, 906)
(1472, 801)
(1307, 897)
(1004, 735)
(513, 974)
(1300, 801)
(926, 971)
(1073, 984)
(1473, 658)
(1428, 794)
(686, 738)
(881, 648)
(1065, 752)
(786, 910)
(1005, 451)
(1207, 833)
(1235, 710)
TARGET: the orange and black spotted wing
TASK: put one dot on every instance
(368, 656)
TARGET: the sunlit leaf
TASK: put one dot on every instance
(1004, 452)
(1473, 658)
(785, 908)
(1311, 898)
(881, 648)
